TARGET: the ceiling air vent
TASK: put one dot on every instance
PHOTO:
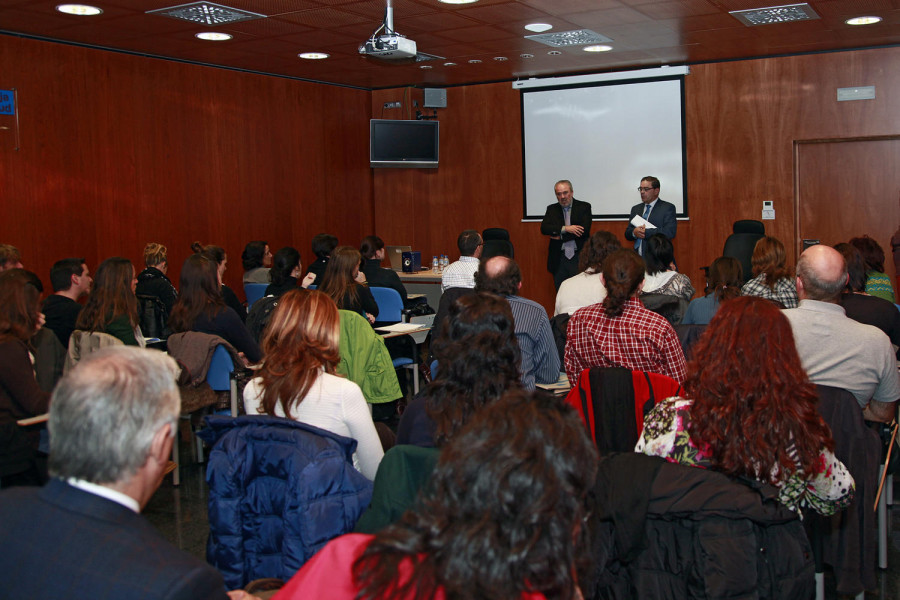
(206, 13)
(580, 37)
(775, 14)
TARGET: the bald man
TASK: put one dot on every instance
(834, 349)
(540, 358)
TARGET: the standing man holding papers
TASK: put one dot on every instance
(659, 213)
(568, 223)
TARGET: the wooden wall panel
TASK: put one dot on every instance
(742, 121)
(119, 150)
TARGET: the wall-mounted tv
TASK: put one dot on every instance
(396, 143)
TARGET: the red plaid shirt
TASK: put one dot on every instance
(638, 339)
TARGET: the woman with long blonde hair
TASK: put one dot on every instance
(298, 381)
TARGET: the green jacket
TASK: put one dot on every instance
(365, 360)
(403, 471)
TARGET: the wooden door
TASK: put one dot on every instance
(847, 188)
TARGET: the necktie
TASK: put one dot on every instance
(568, 247)
(638, 245)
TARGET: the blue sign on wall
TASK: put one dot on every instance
(7, 102)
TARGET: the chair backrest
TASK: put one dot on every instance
(749, 226)
(254, 291)
(220, 369)
(279, 490)
(152, 316)
(496, 243)
(741, 243)
(495, 233)
(390, 305)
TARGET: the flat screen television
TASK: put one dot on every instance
(397, 143)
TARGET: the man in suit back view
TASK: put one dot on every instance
(113, 420)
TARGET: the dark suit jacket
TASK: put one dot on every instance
(62, 542)
(662, 215)
(553, 223)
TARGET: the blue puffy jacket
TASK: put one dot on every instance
(279, 490)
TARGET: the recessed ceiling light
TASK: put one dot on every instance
(598, 48)
(82, 10)
(538, 27)
(457, 1)
(213, 36)
(863, 20)
(313, 55)
(424, 66)
(554, 53)
(474, 61)
(526, 56)
(500, 58)
(449, 64)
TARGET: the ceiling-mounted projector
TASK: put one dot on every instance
(389, 47)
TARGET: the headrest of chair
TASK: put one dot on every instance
(495, 233)
(749, 226)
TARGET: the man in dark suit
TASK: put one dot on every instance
(568, 223)
(658, 212)
(113, 420)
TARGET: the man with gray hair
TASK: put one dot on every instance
(113, 420)
(834, 349)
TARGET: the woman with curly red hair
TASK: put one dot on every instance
(750, 411)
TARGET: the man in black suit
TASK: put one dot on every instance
(113, 420)
(658, 212)
(568, 223)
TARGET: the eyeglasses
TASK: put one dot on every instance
(644, 189)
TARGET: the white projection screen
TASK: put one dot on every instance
(603, 138)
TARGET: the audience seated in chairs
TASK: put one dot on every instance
(586, 288)
(112, 307)
(153, 282)
(662, 276)
(862, 307)
(725, 280)
(502, 517)
(20, 395)
(372, 250)
(478, 360)
(620, 332)
(297, 379)
(256, 260)
(200, 307)
(70, 280)
(219, 258)
(286, 268)
(877, 282)
(343, 283)
(771, 278)
(323, 244)
(365, 361)
(754, 419)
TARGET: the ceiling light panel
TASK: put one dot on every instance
(771, 15)
(561, 39)
(207, 13)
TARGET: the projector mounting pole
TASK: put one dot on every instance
(389, 18)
